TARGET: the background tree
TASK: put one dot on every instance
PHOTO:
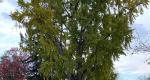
(76, 39)
(12, 66)
(141, 45)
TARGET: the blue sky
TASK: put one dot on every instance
(9, 33)
(130, 67)
(9, 36)
(133, 66)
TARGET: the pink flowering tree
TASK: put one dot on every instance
(12, 66)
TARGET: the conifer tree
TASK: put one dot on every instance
(76, 39)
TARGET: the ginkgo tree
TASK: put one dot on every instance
(76, 39)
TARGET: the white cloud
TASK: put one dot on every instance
(9, 33)
(7, 6)
(144, 19)
(133, 64)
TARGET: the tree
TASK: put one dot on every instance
(76, 39)
(141, 46)
(12, 66)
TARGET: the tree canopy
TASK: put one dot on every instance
(12, 66)
(76, 39)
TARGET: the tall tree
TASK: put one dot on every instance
(76, 39)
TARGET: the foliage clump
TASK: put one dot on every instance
(76, 39)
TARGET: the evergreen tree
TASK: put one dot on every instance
(76, 39)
